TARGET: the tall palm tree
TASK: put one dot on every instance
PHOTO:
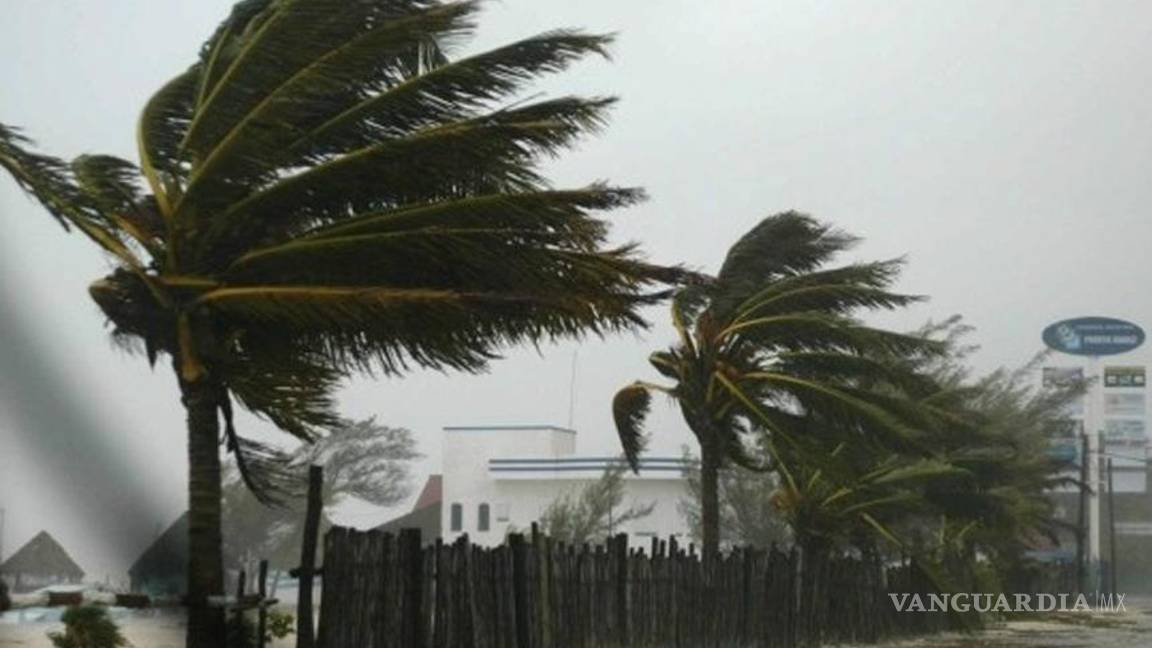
(769, 342)
(328, 190)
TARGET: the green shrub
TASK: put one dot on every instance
(88, 627)
(280, 624)
(241, 630)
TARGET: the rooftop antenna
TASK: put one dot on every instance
(572, 388)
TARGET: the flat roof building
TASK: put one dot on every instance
(499, 479)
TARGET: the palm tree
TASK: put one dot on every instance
(769, 342)
(326, 191)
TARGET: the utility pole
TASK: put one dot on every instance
(572, 390)
(1111, 533)
(1093, 425)
(1082, 516)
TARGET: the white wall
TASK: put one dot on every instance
(546, 468)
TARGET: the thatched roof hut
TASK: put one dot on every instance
(159, 571)
(40, 563)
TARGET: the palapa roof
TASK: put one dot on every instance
(42, 555)
(166, 556)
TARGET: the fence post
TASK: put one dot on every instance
(520, 590)
(622, 608)
(412, 605)
(542, 548)
(305, 628)
(238, 612)
(262, 614)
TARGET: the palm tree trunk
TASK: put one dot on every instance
(815, 554)
(710, 498)
(205, 547)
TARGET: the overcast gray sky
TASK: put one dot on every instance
(1004, 147)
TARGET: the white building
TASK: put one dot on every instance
(502, 478)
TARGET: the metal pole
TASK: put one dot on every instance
(1081, 523)
(1111, 533)
(1092, 423)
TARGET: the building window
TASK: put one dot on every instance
(457, 522)
(482, 518)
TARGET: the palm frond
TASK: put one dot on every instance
(158, 134)
(564, 212)
(815, 331)
(877, 275)
(257, 144)
(277, 43)
(630, 407)
(458, 90)
(112, 184)
(278, 378)
(832, 402)
(858, 369)
(781, 245)
(359, 328)
(447, 162)
(841, 299)
(51, 182)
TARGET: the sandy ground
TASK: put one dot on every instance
(1129, 629)
(144, 629)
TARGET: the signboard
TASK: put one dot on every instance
(1126, 453)
(1093, 336)
(1117, 429)
(1124, 404)
(1062, 376)
(1064, 440)
(1123, 376)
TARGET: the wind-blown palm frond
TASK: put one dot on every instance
(52, 183)
(785, 245)
(630, 407)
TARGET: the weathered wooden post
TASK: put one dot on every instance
(542, 548)
(622, 611)
(262, 613)
(238, 609)
(305, 627)
(520, 590)
(411, 556)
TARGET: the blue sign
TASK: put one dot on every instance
(1093, 336)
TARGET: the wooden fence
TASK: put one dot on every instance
(384, 591)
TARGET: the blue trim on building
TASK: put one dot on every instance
(587, 468)
(584, 460)
(499, 428)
